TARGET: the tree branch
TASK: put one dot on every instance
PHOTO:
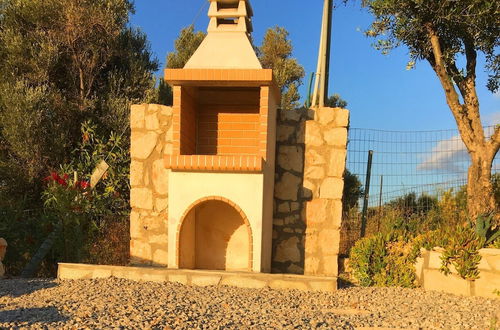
(457, 109)
(495, 140)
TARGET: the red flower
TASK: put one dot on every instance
(84, 185)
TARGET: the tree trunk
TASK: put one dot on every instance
(480, 198)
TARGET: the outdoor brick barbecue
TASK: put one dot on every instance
(225, 186)
(222, 162)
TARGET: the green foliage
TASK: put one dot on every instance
(276, 53)
(335, 101)
(384, 260)
(367, 259)
(462, 251)
(70, 71)
(462, 26)
(112, 193)
(186, 44)
(68, 200)
(63, 62)
(485, 229)
(24, 231)
(352, 191)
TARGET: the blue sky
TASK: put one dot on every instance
(381, 93)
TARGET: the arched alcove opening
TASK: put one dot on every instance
(215, 234)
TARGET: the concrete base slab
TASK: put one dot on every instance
(199, 277)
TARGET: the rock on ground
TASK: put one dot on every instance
(119, 303)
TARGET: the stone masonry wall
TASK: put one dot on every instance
(310, 161)
(151, 136)
(311, 154)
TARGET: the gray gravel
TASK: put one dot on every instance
(118, 303)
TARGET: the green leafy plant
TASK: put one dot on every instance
(485, 229)
(69, 201)
(367, 259)
(462, 252)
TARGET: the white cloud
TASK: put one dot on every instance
(447, 155)
(451, 155)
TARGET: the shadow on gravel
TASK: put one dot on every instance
(21, 287)
(30, 316)
(344, 283)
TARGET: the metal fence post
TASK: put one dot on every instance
(367, 193)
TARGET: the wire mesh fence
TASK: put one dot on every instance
(411, 174)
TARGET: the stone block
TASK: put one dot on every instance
(137, 115)
(294, 206)
(331, 188)
(165, 111)
(284, 132)
(311, 243)
(323, 286)
(101, 273)
(160, 177)
(141, 198)
(483, 264)
(157, 239)
(317, 210)
(341, 117)
(492, 256)
(143, 144)
(336, 214)
(152, 121)
(329, 241)
(311, 265)
(314, 158)
(336, 164)
(288, 187)
(330, 265)
(136, 173)
(313, 134)
(178, 278)
(284, 207)
(140, 250)
(288, 285)
(151, 277)
(336, 137)
(291, 158)
(160, 257)
(135, 225)
(243, 282)
(288, 250)
(437, 281)
(325, 115)
(435, 261)
(309, 189)
(73, 273)
(161, 204)
(205, 280)
(486, 284)
(314, 172)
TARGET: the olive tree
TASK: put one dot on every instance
(446, 33)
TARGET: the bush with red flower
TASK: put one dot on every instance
(69, 200)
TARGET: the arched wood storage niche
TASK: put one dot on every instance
(215, 234)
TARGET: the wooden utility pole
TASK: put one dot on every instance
(321, 84)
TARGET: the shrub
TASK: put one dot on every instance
(367, 259)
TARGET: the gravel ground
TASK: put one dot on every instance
(118, 303)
